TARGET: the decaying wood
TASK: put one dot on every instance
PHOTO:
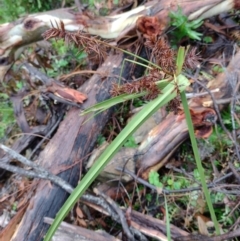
(125, 158)
(147, 225)
(25, 141)
(53, 89)
(67, 150)
(200, 237)
(152, 226)
(68, 232)
(159, 145)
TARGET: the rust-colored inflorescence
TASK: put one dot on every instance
(162, 53)
(149, 26)
(147, 84)
(192, 59)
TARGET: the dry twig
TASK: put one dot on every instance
(38, 172)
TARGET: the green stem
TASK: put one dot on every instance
(198, 161)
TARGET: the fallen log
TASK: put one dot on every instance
(67, 151)
(67, 232)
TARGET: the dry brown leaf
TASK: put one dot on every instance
(202, 227)
(79, 212)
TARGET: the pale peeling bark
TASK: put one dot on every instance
(30, 29)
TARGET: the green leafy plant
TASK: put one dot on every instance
(65, 55)
(10, 11)
(137, 102)
(198, 160)
(130, 142)
(208, 39)
(218, 69)
(100, 139)
(6, 114)
(183, 27)
(167, 93)
(220, 142)
(154, 179)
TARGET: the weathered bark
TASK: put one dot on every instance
(72, 142)
(67, 150)
(68, 232)
(150, 226)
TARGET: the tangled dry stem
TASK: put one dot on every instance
(91, 45)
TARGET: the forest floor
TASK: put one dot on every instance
(212, 47)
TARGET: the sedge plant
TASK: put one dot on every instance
(167, 94)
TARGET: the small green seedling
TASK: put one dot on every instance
(184, 27)
(154, 179)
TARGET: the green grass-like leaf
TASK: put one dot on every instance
(180, 59)
(168, 93)
(198, 161)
